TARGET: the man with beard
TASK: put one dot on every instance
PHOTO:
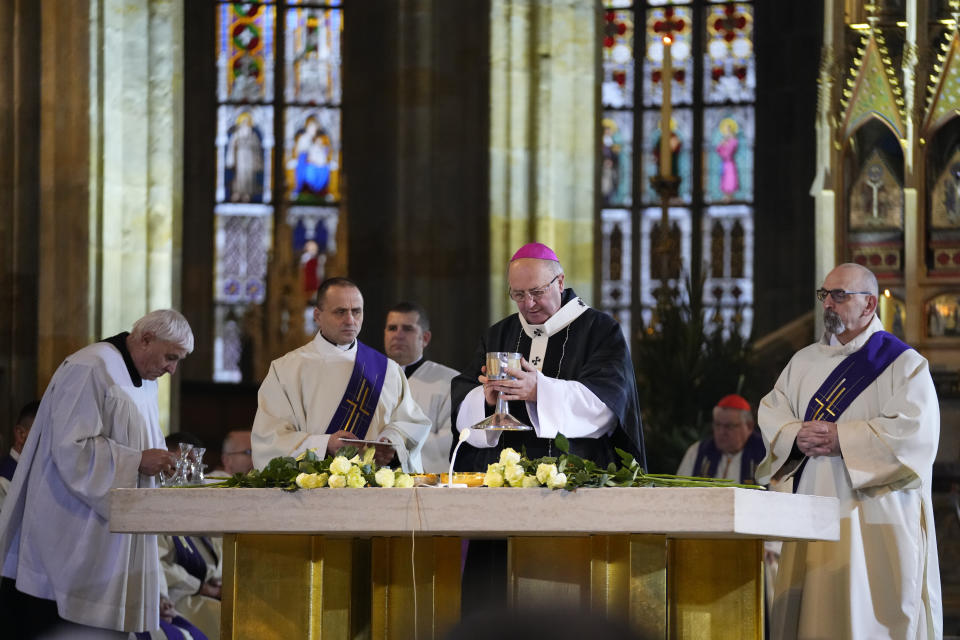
(856, 416)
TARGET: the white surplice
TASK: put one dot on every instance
(728, 467)
(882, 579)
(55, 539)
(430, 385)
(302, 391)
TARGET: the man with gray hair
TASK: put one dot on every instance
(65, 574)
(856, 417)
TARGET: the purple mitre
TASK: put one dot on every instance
(535, 250)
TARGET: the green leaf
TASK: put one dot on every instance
(562, 443)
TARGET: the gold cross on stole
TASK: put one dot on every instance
(827, 403)
(357, 406)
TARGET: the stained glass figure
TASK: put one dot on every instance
(876, 197)
(244, 153)
(313, 55)
(677, 22)
(729, 69)
(245, 56)
(943, 316)
(312, 164)
(617, 265)
(617, 48)
(314, 234)
(728, 149)
(616, 175)
(681, 133)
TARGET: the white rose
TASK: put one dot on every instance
(513, 473)
(340, 465)
(385, 477)
(557, 481)
(355, 478)
(530, 482)
(493, 478)
(405, 481)
(545, 472)
(337, 481)
(303, 480)
(509, 456)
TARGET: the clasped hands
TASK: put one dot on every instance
(384, 455)
(818, 438)
(523, 387)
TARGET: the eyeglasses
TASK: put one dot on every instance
(535, 294)
(839, 295)
(246, 452)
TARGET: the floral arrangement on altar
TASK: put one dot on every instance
(351, 469)
(308, 471)
(571, 472)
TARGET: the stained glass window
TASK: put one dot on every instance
(272, 123)
(713, 87)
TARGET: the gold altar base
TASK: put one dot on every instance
(663, 588)
(311, 587)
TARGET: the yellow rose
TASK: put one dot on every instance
(530, 482)
(355, 479)
(355, 459)
(545, 472)
(321, 479)
(340, 465)
(493, 478)
(513, 473)
(557, 481)
(385, 477)
(303, 480)
(368, 454)
(509, 456)
(405, 481)
(337, 481)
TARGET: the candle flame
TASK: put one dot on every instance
(886, 292)
(667, 40)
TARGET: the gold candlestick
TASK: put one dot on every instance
(666, 79)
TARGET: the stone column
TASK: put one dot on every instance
(543, 102)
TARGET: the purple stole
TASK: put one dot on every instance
(848, 379)
(189, 557)
(708, 458)
(363, 393)
(7, 467)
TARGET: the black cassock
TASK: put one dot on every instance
(590, 350)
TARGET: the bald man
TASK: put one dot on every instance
(855, 416)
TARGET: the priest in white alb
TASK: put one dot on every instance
(855, 416)
(337, 391)
(65, 574)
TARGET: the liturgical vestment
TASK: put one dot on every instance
(882, 579)
(430, 385)
(91, 428)
(302, 391)
(585, 389)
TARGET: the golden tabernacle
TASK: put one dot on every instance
(386, 563)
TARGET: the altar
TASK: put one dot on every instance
(386, 563)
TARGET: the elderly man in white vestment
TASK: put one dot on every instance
(336, 390)
(406, 334)
(97, 429)
(856, 416)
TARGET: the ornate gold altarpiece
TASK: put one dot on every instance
(385, 563)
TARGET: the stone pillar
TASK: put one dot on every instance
(543, 103)
(19, 201)
(109, 171)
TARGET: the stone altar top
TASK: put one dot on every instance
(678, 512)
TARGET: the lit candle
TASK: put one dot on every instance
(886, 310)
(666, 80)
